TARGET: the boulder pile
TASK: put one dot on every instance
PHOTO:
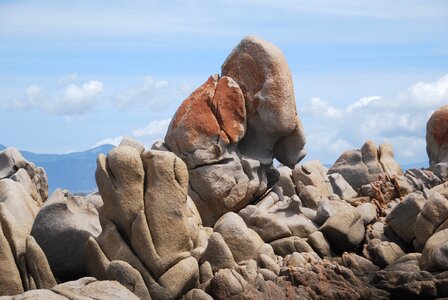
(205, 214)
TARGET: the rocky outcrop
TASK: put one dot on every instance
(313, 174)
(23, 189)
(147, 222)
(62, 228)
(360, 167)
(33, 179)
(273, 127)
(345, 229)
(341, 187)
(84, 288)
(229, 130)
(432, 218)
(435, 253)
(436, 136)
(360, 230)
(405, 280)
(402, 218)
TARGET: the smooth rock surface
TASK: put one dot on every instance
(62, 228)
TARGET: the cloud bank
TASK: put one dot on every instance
(400, 120)
(72, 100)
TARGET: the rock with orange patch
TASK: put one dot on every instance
(437, 136)
(230, 129)
(273, 127)
(208, 121)
(205, 132)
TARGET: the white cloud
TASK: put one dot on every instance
(364, 101)
(156, 127)
(401, 120)
(112, 141)
(317, 106)
(72, 100)
(426, 95)
(33, 95)
(76, 99)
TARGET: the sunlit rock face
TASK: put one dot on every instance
(230, 129)
(437, 136)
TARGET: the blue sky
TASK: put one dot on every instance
(75, 74)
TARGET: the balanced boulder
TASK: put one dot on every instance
(230, 129)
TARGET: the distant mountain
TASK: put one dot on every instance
(73, 171)
(76, 171)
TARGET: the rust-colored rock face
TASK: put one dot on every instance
(212, 117)
(230, 109)
(230, 129)
(437, 136)
(263, 74)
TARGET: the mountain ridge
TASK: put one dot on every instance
(74, 171)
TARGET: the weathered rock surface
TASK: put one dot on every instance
(275, 233)
(84, 288)
(402, 218)
(17, 212)
(314, 174)
(433, 214)
(341, 187)
(23, 189)
(383, 253)
(352, 168)
(229, 130)
(345, 230)
(285, 181)
(34, 179)
(404, 279)
(157, 231)
(360, 167)
(243, 242)
(274, 218)
(435, 254)
(273, 127)
(421, 179)
(436, 136)
(62, 228)
(387, 160)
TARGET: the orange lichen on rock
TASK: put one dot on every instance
(230, 109)
(214, 113)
